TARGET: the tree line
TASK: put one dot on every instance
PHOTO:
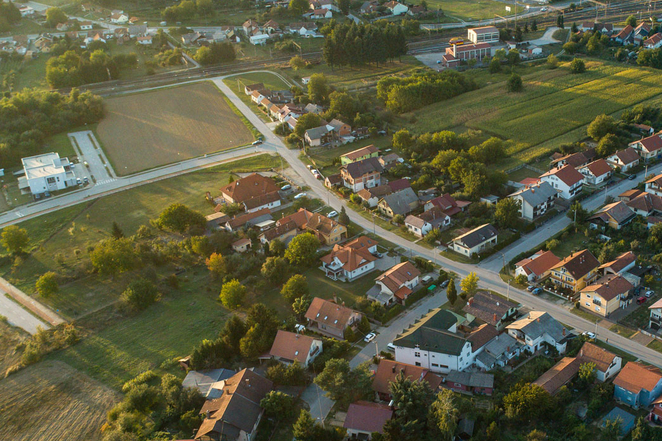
(357, 44)
(28, 117)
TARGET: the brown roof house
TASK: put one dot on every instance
(624, 159)
(289, 347)
(566, 180)
(615, 215)
(247, 220)
(283, 232)
(606, 295)
(621, 264)
(374, 194)
(254, 191)
(388, 370)
(365, 418)
(475, 241)
(351, 260)
(330, 319)
(422, 224)
(369, 151)
(596, 172)
(235, 412)
(638, 385)
(490, 309)
(241, 245)
(361, 174)
(607, 364)
(654, 185)
(327, 230)
(396, 284)
(448, 204)
(559, 375)
(575, 271)
(648, 148)
(536, 267)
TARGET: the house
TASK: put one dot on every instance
(350, 261)
(119, 18)
(365, 418)
(401, 202)
(389, 161)
(434, 343)
(649, 147)
(643, 128)
(490, 309)
(137, 30)
(475, 241)
(333, 180)
(374, 194)
(536, 267)
(249, 26)
(577, 160)
(47, 173)
(644, 204)
(625, 420)
(637, 385)
(604, 28)
(248, 219)
(253, 87)
(361, 174)
(433, 219)
(313, 108)
(204, 381)
(369, 151)
(305, 29)
(536, 329)
(289, 347)
(596, 172)
(607, 364)
(615, 215)
(318, 136)
(44, 43)
(654, 185)
(26, 11)
(653, 42)
(624, 159)
(327, 230)
(606, 295)
(259, 39)
(369, 7)
(498, 352)
(621, 264)
(455, 54)
(146, 40)
(241, 245)
(470, 382)
(396, 8)
(448, 204)
(535, 200)
(396, 284)
(283, 232)
(576, 271)
(271, 26)
(340, 128)
(486, 34)
(641, 32)
(559, 375)
(388, 370)
(319, 14)
(254, 191)
(625, 36)
(566, 180)
(655, 319)
(236, 413)
(331, 319)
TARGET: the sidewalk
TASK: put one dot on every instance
(48, 315)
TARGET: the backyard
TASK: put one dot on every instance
(238, 82)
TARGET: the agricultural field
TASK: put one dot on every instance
(151, 129)
(10, 336)
(51, 401)
(77, 227)
(472, 9)
(554, 108)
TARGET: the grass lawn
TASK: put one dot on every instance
(522, 173)
(623, 330)
(570, 243)
(29, 73)
(472, 9)
(387, 225)
(270, 81)
(61, 144)
(570, 101)
(77, 227)
(655, 345)
(323, 157)
(586, 315)
(159, 334)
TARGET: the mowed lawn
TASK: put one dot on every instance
(554, 108)
(472, 9)
(146, 130)
(60, 240)
(51, 401)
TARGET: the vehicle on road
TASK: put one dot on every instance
(589, 334)
(444, 284)
(632, 177)
(286, 187)
(641, 300)
(300, 195)
(649, 294)
(390, 347)
(537, 291)
(86, 180)
(426, 280)
(334, 213)
(370, 337)
(258, 142)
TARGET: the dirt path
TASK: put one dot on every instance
(42, 311)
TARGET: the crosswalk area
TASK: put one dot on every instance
(105, 181)
(19, 214)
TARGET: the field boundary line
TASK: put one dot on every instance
(40, 310)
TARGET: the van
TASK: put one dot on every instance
(641, 300)
(286, 187)
(426, 280)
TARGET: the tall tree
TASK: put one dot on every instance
(507, 212)
(302, 250)
(295, 287)
(412, 400)
(451, 292)
(470, 283)
(114, 256)
(232, 294)
(116, 231)
(341, 383)
(14, 239)
(318, 90)
(444, 414)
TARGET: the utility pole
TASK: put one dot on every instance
(508, 292)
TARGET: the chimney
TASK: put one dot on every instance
(538, 319)
(564, 332)
(208, 413)
(471, 301)
(335, 298)
(248, 382)
(393, 369)
(494, 317)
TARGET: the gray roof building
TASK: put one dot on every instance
(364, 167)
(434, 334)
(537, 324)
(536, 194)
(477, 236)
(471, 379)
(401, 201)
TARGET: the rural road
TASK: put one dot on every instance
(18, 316)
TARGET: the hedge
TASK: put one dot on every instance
(416, 296)
(392, 312)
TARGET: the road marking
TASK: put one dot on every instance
(106, 181)
(19, 214)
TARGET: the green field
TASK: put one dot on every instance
(472, 9)
(270, 81)
(55, 237)
(554, 107)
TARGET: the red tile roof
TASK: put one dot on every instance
(567, 174)
(609, 287)
(599, 168)
(329, 313)
(620, 262)
(541, 263)
(387, 370)
(579, 264)
(559, 375)
(367, 417)
(635, 376)
(650, 144)
(590, 353)
(398, 275)
(291, 346)
(249, 187)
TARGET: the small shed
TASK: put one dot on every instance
(626, 419)
(242, 245)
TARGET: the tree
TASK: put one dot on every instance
(304, 428)
(217, 265)
(116, 231)
(278, 405)
(275, 269)
(632, 21)
(526, 402)
(14, 239)
(577, 213)
(507, 212)
(302, 250)
(318, 90)
(277, 247)
(514, 83)
(180, 218)
(298, 7)
(552, 61)
(398, 219)
(114, 256)
(305, 122)
(344, 6)
(444, 414)
(537, 435)
(412, 400)
(451, 292)
(343, 218)
(295, 287)
(297, 63)
(47, 284)
(139, 295)
(577, 66)
(341, 383)
(492, 431)
(642, 431)
(470, 283)
(608, 145)
(55, 16)
(601, 126)
(495, 65)
(587, 374)
(612, 429)
(232, 294)
(513, 57)
(301, 305)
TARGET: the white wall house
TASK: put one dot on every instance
(537, 329)
(566, 180)
(46, 173)
(535, 200)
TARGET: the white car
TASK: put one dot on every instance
(390, 347)
(334, 213)
(589, 334)
(315, 171)
(300, 195)
(649, 294)
(370, 337)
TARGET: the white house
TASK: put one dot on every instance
(119, 17)
(536, 267)
(396, 284)
(349, 262)
(566, 180)
(485, 34)
(536, 329)
(607, 364)
(144, 40)
(648, 148)
(86, 25)
(655, 319)
(396, 8)
(289, 347)
(475, 241)
(46, 173)
(535, 200)
(596, 172)
(653, 42)
(259, 39)
(425, 222)
(624, 159)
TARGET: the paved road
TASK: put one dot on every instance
(18, 316)
(96, 159)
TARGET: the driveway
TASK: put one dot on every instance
(320, 404)
(546, 38)
(90, 153)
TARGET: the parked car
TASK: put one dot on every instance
(390, 347)
(300, 195)
(258, 142)
(310, 167)
(641, 300)
(314, 171)
(426, 279)
(444, 284)
(530, 287)
(370, 337)
(589, 334)
(632, 177)
(649, 294)
(334, 213)
(79, 181)
(286, 187)
(537, 291)
(86, 180)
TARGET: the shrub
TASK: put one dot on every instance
(577, 66)
(139, 295)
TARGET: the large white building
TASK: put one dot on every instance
(46, 173)
(486, 34)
